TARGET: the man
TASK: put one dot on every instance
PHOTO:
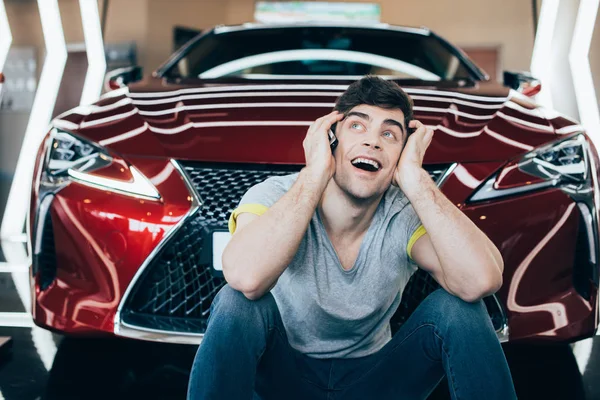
(318, 261)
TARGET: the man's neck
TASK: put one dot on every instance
(344, 216)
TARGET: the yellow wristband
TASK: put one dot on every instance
(257, 209)
(420, 231)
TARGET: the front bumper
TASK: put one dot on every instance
(140, 269)
(170, 297)
(88, 244)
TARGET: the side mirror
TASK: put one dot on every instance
(522, 82)
(122, 77)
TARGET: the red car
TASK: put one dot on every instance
(132, 194)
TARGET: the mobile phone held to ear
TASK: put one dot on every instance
(410, 130)
(333, 142)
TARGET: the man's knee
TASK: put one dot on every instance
(455, 312)
(232, 306)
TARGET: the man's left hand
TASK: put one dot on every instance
(409, 166)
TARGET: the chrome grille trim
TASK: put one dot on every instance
(196, 203)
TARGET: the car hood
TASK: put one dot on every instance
(265, 122)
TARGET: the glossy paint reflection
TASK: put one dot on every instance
(101, 239)
(184, 123)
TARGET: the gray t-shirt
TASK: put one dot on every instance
(329, 312)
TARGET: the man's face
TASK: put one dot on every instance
(370, 142)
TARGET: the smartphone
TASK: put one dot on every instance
(333, 142)
(411, 130)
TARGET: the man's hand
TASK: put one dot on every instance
(409, 168)
(319, 158)
(263, 246)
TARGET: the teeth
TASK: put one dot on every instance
(365, 161)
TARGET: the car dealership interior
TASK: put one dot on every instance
(136, 136)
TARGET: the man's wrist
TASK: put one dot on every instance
(414, 182)
(315, 178)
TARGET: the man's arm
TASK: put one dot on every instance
(455, 251)
(461, 258)
(262, 247)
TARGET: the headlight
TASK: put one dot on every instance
(563, 164)
(67, 152)
(71, 158)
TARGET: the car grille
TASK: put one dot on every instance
(178, 286)
(176, 289)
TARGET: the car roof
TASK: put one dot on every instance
(307, 24)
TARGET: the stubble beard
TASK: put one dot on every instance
(350, 186)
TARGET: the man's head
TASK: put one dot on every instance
(374, 131)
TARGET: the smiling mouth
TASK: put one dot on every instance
(366, 164)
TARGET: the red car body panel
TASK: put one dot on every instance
(103, 238)
(207, 138)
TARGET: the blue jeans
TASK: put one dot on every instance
(245, 352)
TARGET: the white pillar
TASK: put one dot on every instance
(41, 112)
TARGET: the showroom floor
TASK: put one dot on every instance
(37, 364)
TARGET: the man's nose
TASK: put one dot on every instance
(372, 141)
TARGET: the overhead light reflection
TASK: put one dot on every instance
(41, 113)
(90, 18)
(587, 102)
(542, 50)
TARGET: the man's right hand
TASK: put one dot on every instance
(317, 152)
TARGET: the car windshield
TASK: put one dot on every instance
(320, 52)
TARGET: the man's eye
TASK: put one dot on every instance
(355, 125)
(388, 134)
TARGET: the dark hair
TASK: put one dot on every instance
(374, 91)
